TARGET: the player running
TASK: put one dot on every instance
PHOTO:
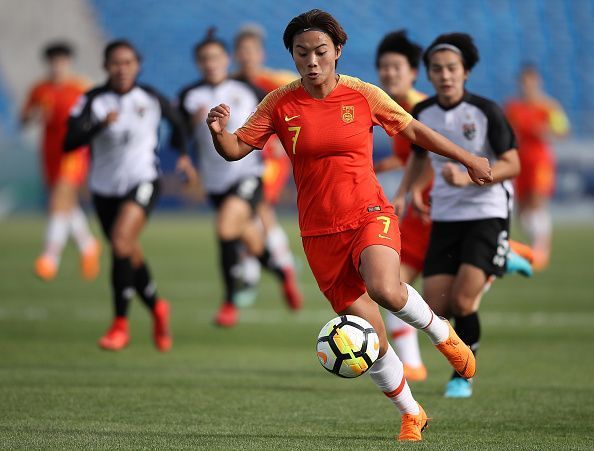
(120, 122)
(535, 117)
(349, 230)
(469, 235)
(50, 100)
(234, 188)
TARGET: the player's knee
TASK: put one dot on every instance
(388, 295)
(121, 246)
(462, 304)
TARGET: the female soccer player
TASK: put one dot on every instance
(234, 188)
(51, 100)
(469, 235)
(120, 121)
(397, 62)
(349, 230)
(535, 117)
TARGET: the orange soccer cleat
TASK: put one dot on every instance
(458, 354)
(227, 316)
(89, 261)
(415, 373)
(45, 268)
(291, 289)
(523, 250)
(161, 334)
(117, 337)
(412, 426)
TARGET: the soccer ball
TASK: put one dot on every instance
(347, 346)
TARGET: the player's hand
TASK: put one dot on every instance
(111, 117)
(218, 117)
(419, 205)
(479, 170)
(185, 167)
(399, 202)
(454, 176)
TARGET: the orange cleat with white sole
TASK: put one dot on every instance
(227, 316)
(415, 373)
(161, 334)
(412, 426)
(89, 261)
(458, 354)
(291, 290)
(45, 268)
(117, 337)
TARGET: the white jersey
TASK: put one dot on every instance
(479, 126)
(218, 175)
(123, 154)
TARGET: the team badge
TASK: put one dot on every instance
(140, 110)
(469, 131)
(348, 114)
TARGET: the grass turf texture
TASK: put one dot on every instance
(259, 386)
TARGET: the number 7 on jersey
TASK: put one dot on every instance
(295, 136)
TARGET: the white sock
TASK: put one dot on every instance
(405, 340)
(388, 374)
(538, 225)
(278, 244)
(56, 235)
(418, 314)
(79, 228)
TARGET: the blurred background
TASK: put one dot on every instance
(555, 35)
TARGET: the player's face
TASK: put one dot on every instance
(122, 67)
(447, 75)
(59, 66)
(315, 58)
(530, 82)
(396, 75)
(249, 54)
(213, 63)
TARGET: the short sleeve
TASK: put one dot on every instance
(385, 112)
(259, 126)
(34, 98)
(500, 134)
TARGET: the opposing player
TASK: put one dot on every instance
(234, 188)
(349, 230)
(536, 117)
(120, 121)
(50, 100)
(469, 234)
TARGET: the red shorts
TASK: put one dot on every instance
(334, 258)
(415, 239)
(536, 177)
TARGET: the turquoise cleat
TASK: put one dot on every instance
(517, 263)
(458, 388)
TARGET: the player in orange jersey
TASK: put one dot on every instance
(536, 117)
(50, 100)
(249, 56)
(397, 62)
(349, 230)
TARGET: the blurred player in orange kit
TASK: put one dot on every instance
(249, 57)
(50, 101)
(349, 231)
(535, 117)
(397, 62)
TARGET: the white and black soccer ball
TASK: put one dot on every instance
(347, 346)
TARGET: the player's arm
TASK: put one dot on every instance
(389, 163)
(414, 168)
(30, 108)
(478, 168)
(228, 145)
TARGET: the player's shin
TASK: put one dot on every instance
(122, 280)
(145, 285)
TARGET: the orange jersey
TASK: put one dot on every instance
(401, 147)
(268, 80)
(329, 142)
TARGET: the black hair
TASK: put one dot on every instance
(58, 48)
(398, 42)
(316, 19)
(209, 38)
(118, 43)
(462, 41)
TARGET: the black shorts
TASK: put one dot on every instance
(482, 243)
(108, 207)
(249, 189)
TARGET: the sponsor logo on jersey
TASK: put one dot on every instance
(374, 208)
(287, 118)
(469, 131)
(348, 114)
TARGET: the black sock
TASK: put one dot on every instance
(122, 283)
(268, 262)
(468, 329)
(229, 255)
(145, 286)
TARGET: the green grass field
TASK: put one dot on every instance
(259, 386)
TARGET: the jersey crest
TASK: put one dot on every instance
(348, 114)
(469, 131)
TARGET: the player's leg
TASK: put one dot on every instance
(536, 220)
(388, 372)
(276, 238)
